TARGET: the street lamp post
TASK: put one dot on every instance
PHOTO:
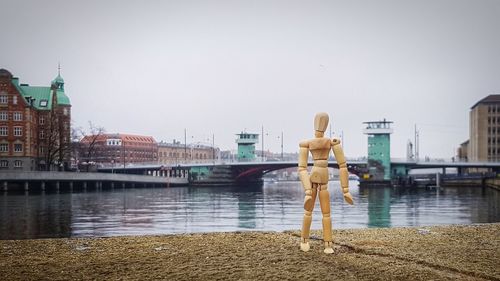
(262, 143)
(213, 148)
(281, 145)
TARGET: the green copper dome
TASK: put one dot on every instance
(58, 80)
(62, 98)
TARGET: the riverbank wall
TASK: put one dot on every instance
(493, 183)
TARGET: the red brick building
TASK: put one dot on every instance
(34, 125)
(118, 149)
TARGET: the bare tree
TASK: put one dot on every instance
(89, 141)
(76, 136)
(56, 138)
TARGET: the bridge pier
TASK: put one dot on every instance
(123, 184)
(5, 186)
(57, 185)
(42, 186)
(71, 186)
(84, 186)
(112, 185)
(438, 180)
(26, 186)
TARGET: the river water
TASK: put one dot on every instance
(271, 207)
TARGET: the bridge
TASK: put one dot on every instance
(377, 167)
(244, 172)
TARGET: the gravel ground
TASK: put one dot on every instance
(469, 252)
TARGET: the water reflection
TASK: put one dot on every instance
(247, 206)
(40, 215)
(274, 206)
(379, 206)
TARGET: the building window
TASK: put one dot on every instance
(43, 103)
(4, 147)
(4, 116)
(65, 111)
(4, 99)
(42, 134)
(41, 120)
(18, 163)
(18, 116)
(18, 131)
(4, 164)
(14, 99)
(18, 147)
(4, 131)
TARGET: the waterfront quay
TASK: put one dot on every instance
(68, 181)
(457, 252)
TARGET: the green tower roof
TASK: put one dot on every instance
(43, 95)
(62, 98)
(58, 80)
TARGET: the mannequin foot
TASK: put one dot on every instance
(304, 245)
(328, 248)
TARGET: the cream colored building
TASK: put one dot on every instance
(176, 153)
(484, 130)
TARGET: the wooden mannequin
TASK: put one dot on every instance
(317, 180)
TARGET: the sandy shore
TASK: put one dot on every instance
(426, 253)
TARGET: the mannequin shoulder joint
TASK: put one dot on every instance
(304, 144)
(335, 141)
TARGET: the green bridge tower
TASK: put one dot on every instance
(379, 149)
(246, 146)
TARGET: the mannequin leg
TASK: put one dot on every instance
(324, 200)
(306, 223)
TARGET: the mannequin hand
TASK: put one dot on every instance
(348, 198)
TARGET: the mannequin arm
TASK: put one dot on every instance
(303, 174)
(344, 174)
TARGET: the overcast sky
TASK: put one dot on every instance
(220, 67)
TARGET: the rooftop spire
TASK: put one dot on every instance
(58, 81)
